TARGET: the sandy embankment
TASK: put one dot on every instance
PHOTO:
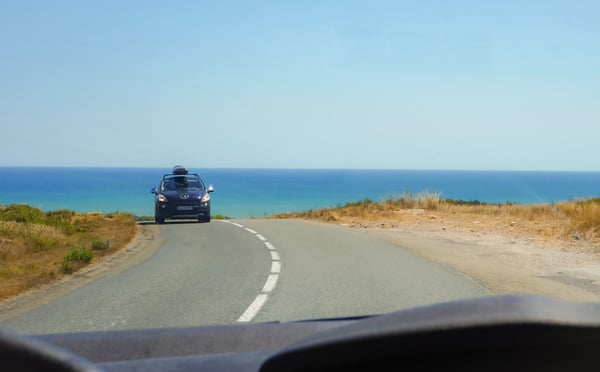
(504, 256)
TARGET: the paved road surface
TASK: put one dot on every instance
(252, 270)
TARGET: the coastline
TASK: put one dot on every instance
(248, 193)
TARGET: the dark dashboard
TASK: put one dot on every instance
(517, 332)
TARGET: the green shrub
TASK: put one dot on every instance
(79, 254)
(63, 215)
(362, 203)
(462, 202)
(75, 259)
(144, 218)
(67, 267)
(21, 213)
(100, 245)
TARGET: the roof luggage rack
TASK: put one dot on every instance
(180, 169)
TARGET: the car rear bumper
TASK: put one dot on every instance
(166, 210)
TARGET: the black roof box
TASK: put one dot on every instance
(180, 169)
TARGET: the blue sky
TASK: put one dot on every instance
(301, 84)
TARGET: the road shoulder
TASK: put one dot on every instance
(502, 263)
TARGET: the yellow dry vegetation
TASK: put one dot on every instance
(567, 221)
(34, 245)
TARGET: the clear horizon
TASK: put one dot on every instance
(427, 85)
(196, 169)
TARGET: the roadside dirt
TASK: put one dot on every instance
(507, 257)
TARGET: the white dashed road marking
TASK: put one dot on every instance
(254, 308)
(272, 278)
(270, 283)
(275, 267)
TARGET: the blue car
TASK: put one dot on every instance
(182, 195)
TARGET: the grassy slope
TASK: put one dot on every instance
(38, 247)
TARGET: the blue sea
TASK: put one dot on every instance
(242, 193)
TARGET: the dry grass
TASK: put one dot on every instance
(33, 244)
(567, 221)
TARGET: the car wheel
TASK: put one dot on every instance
(204, 219)
(159, 219)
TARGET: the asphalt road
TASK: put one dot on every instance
(251, 271)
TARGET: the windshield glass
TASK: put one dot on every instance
(366, 157)
(181, 183)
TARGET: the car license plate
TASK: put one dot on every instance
(184, 208)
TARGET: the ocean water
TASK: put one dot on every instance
(242, 193)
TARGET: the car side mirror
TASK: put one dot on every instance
(153, 191)
(210, 188)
